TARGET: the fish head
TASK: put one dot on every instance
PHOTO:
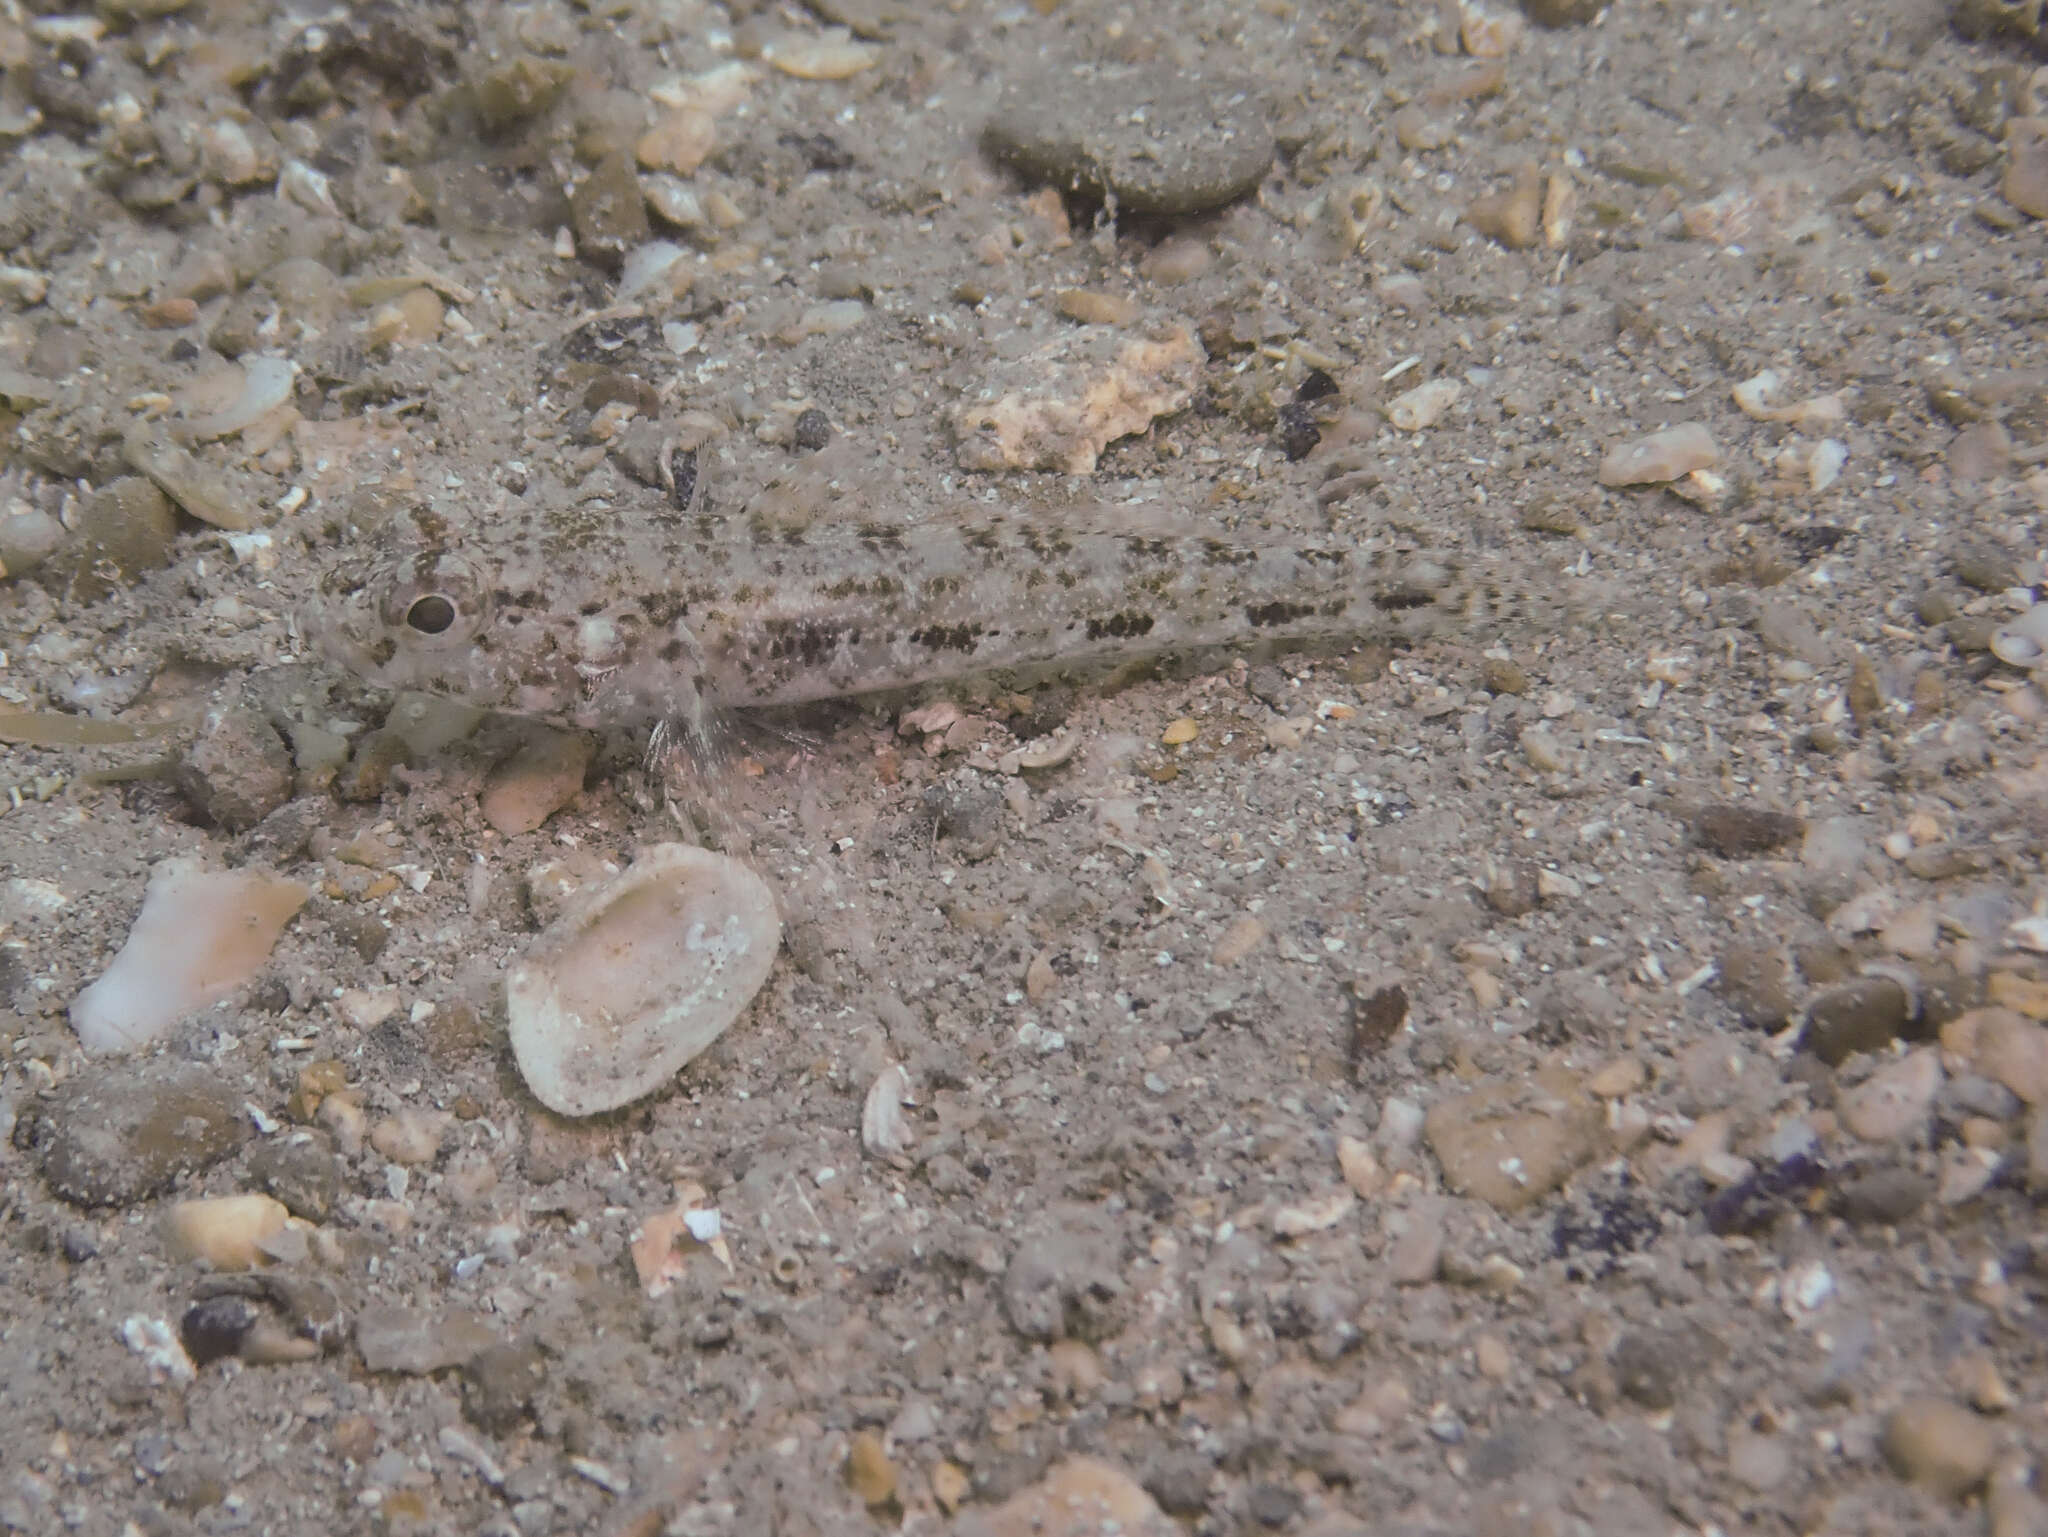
(490, 632)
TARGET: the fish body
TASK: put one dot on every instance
(566, 623)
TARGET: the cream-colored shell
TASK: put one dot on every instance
(638, 976)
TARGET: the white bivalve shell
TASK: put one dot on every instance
(638, 976)
(2024, 642)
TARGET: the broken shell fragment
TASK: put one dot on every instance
(884, 1130)
(638, 976)
(199, 936)
(832, 57)
(1415, 409)
(1659, 457)
(265, 383)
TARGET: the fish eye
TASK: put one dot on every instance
(431, 614)
(433, 597)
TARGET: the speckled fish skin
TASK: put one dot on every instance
(701, 611)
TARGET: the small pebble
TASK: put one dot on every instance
(225, 1231)
(2004, 1046)
(869, 1471)
(1081, 1497)
(1863, 1015)
(538, 780)
(1739, 832)
(1939, 1445)
(1160, 141)
(1244, 934)
(403, 1339)
(237, 769)
(1511, 1143)
(679, 143)
(412, 1136)
(1514, 218)
(1894, 1102)
(2025, 184)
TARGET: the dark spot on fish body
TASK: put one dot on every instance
(1404, 596)
(803, 640)
(672, 651)
(383, 651)
(947, 637)
(1128, 625)
(1263, 616)
(662, 608)
(1220, 552)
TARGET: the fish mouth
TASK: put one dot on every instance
(336, 636)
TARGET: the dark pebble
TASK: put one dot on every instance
(1270, 685)
(1577, 1005)
(1654, 1366)
(812, 431)
(237, 770)
(1512, 891)
(1376, 1017)
(1756, 980)
(1886, 1197)
(1179, 1481)
(1864, 1014)
(608, 212)
(125, 528)
(282, 835)
(1737, 832)
(1048, 709)
(1754, 1204)
(1315, 385)
(1562, 13)
(1298, 433)
(363, 932)
(1972, 1094)
(498, 1386)
(214, 1329)
(1273, 1504)
(191, 1485)
(970, 816)
(300, 1169)
(1066, 1278)
(116, 1137)
(1987, 567)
